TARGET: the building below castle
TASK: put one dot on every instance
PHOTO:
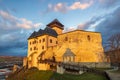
(71, 47)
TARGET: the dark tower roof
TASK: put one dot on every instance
(47, 30)
(33, 35)
(56, 22)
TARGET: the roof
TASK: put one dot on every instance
(55, 21)
(47, 30)
(42, 53)
(79, 30)
(68, 52)
(33, 35)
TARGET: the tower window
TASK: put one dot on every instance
(42, 47)
(35, 41)
(43, 39)
(88, 37)
(40, 40)
(35, 48)
(56, 42)
(50, 40)
(30, 43)
(66, 38)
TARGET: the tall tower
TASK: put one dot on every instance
(56, 25)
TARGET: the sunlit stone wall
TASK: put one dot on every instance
(87, 46)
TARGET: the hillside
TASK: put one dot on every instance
(10, 58)
(35, 74)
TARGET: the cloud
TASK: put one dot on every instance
(89, 23)
(107, 24)
(63, 7)
(79, 5)
(69, 29)
(10, 21)
(108, 3)
(110, 25)
(14, 32)
(38, 25)
(59, 7)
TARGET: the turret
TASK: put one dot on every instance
(56, 25)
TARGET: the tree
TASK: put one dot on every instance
(114, 42)
(113, 45)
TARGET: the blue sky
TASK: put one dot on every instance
(19, 18)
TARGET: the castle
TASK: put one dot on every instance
(70, 47)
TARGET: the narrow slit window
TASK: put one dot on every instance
(50, 40)
(42, 47)
(40, 41)
(44, 40)
(66, 38)
(88, 37)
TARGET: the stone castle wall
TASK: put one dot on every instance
(87, 47)
(86, 50)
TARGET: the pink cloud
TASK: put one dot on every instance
(69, 29)
(14, 22)
(63, 7)
(78, 5)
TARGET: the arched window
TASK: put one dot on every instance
(56, 42)
(88, 37)
(66, 38)
(40, 41)
(43, 39)
(34, 48)
(42, 47)
(50, 40)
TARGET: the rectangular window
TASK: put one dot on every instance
(56, 42)
(50, 40)
(43, 39)
(34, 48)
(66, 38)
(88, 37)
(33, 42)
(42, 47)
(40, 41)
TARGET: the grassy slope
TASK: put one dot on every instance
(85, 76)
(49, 75)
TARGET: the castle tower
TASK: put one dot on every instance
(56, 25)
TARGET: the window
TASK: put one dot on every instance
(42, 47)
(35, 41)
(34, 48)
(66, 38)
(43, 39)
(40, 41)
(50, 40)
(30, 43)
(88, 37)
(56, 42)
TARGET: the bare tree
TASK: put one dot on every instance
(114, 42)
(113, 45)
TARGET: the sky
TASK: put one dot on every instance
(19, 18)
